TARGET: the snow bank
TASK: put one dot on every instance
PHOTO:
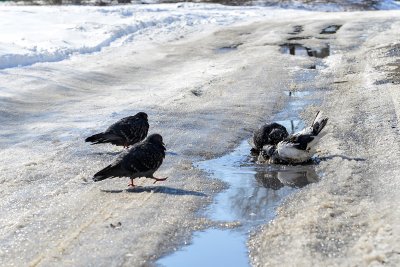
(47, 34)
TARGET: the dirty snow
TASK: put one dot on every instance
(101, 64)
(47, 34)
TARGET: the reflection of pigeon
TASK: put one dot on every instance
(277, 176)
(124, 132)
(297, 148)
(142, 160)
(268, 134)
(269, 179)
(297, 179)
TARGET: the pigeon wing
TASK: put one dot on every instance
(301, 141)
(143, 158)
(137, 130)
(129, 130)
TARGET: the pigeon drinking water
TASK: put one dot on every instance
(297, 148)
(124, 132)
(142, 160)
(268, 134)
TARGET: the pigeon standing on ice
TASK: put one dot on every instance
(142, 160)
(268, 134)
(124, 132)
(297, 148)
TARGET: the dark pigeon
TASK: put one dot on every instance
(142, 160)
(268, 134)
(124, 132)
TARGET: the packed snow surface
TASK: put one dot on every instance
(50, 33)
(207, 75)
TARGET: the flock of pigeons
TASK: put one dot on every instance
(142, 160)
(272, 143)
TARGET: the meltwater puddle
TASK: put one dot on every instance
(254, 193)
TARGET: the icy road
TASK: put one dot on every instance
(207, 76)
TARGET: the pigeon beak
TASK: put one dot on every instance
(163, 144)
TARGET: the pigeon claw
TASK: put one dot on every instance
(131, 184)
(159, 179)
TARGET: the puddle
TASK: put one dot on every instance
(297, 93)
(196, 92)
(254, 193)
(331, 29)
(297, 29)
(215, 253)
(298, 38)
(278, 176)
(228, 48)
(301, 50)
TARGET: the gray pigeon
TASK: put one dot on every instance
(297, 148)
(142, 160)
(124, 132)
(268, 134)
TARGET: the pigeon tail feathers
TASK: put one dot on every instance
(109, 171)
(319, 123)
(95, 138)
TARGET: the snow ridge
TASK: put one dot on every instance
(84, 30)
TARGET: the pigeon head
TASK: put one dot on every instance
(141, 115)
(268, 150)
(276, 136)
(155, 139)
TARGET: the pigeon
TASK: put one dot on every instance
(268, 134)
(124, 132)
(297, 148)
(142, 160)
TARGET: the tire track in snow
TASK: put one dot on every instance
(105, 213)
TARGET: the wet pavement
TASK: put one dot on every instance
(331, 29)
(255, 191)
(301, 50)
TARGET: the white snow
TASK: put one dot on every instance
(112, 62)
(50, 33)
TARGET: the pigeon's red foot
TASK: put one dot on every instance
(131, 184)
(159, 179)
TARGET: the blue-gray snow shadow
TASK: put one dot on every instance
(157, 189)
(325, 158)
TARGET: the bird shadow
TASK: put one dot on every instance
(340, 156)
(158, 189)
(107, 153)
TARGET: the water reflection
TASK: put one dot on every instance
(228, 248)
(331, 29)
(277, 176)
(301, 50)
(227, 48)
(255, 189)
(254, 193)
(297, 29)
